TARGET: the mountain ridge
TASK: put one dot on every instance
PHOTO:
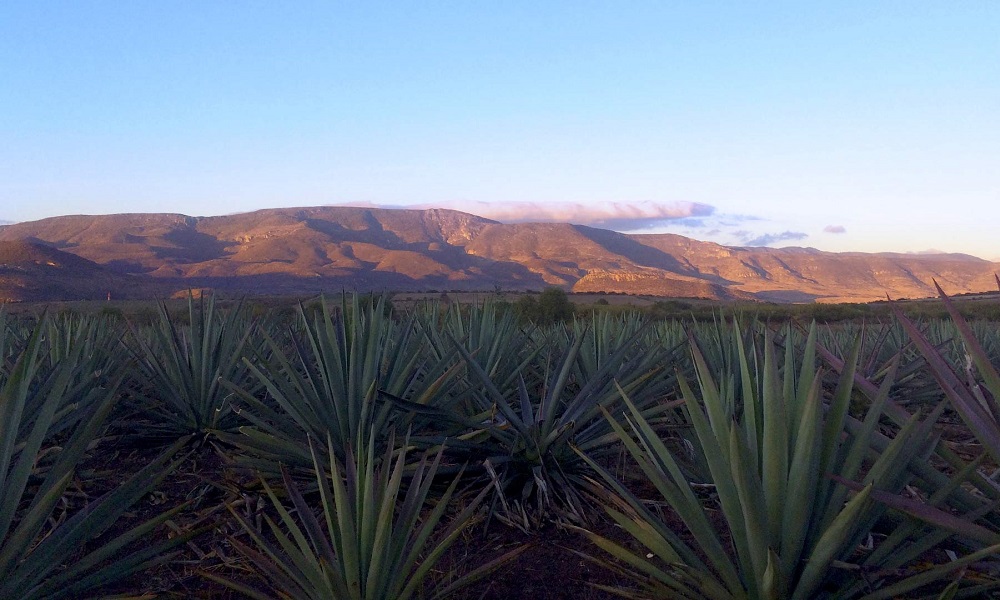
(312, 249)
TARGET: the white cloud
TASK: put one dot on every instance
(619, 216)
(616, 215)
(769, 239)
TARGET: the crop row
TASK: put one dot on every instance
(849, 461)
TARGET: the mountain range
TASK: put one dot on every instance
(332, 248)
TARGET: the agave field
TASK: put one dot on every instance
(349, 450)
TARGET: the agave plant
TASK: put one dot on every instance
(328, 383)
(490, 332)
(184, 368)
(92, 344)
(789, 524)
(493, 337)
(375, 539)
(40, 555)
(526, 434)
(974, 393)
(887, 343)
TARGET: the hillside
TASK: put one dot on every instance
(35, 272)
(306, 250)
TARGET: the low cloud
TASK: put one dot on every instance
(615, 215)
(691, 222)
(835, 229)
(733, 220)
(768, 239)
(929, 251)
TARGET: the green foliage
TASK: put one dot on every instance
(47, 425)
(374, 539)
(779, 470)
(490, 333)
(551, 306)
(348, 302)
(972, 389)
(670, 309)
(767, 455)
(974, 393)
(184, 368)
(112, 312)
(525, 433)
(326, 381)
(527, 309)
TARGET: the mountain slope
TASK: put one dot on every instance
(36, 272)
(296, 250)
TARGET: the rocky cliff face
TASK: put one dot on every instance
(310, 249)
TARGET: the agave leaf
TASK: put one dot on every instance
(86, 574)
(481, 571)
(550, 398)
(721, 471)
(376, 534)
(680, 582)
(775, 441)
(830, 544)
(751, 497)
(858, 449)
(839, 406)
(773, 584)
(975, 351)
(752, 415)
(899, 548)
(788, 380)
(808, 372)
(682, 498)
(712, 399)
(932, 575)
(803, 477)
(929, 514)
(663, 541)
(19, 542)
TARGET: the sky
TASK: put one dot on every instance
(845, 126)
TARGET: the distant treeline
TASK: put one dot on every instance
(554, 305)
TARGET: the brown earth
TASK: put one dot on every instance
(307, 250)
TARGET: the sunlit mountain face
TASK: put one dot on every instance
(333, 248)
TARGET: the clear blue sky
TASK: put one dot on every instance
(878, 122)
